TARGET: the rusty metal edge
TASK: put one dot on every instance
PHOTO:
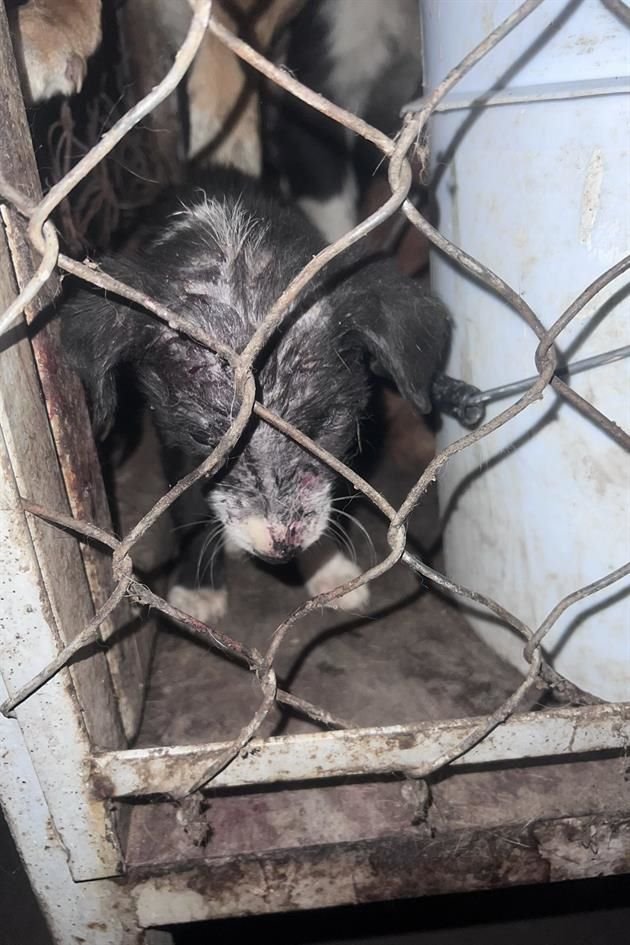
(395, 867)
(294, 758)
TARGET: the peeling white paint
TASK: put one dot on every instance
(155, 904)
(375, 751)
(100, 912)
(591, 197)
(50, 721)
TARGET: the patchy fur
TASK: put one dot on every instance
(222, 260)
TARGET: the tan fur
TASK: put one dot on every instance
(223, 108)
(223, 103)
(53, 40)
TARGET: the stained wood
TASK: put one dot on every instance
(59, 468)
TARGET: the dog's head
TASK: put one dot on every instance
(221, 263)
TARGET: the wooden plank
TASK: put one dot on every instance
(406, 865)
(76, 453)
(33, 462)
(52, 722)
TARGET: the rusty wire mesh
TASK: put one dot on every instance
(398, 152)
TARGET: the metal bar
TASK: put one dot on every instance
(528, 93)
(575, 367)
(100, 912)
(375, 751)
(51, 725)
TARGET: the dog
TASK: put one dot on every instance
(214, 117)
(222, 259)
(364, 55)
(52, 41)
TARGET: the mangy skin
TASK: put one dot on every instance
(222, 259)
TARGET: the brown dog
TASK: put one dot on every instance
(224, 107)
(53, 39)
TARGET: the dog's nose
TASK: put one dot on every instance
(272, 541)
(279, 553)
(282, 551)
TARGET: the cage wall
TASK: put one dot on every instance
(529, 154)
(575, 841)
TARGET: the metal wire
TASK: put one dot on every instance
(576, 367)
(43, 237)
(466, 402)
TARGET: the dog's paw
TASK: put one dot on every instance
(52, 50)
(202, 603)
(330, 574)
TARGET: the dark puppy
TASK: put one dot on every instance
(222, 260)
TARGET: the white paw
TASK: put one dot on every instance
(334, 571)
(204, 603)
(60, 73)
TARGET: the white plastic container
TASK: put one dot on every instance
(536, 185)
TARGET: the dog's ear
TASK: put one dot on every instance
(404, 328)
(100, 332)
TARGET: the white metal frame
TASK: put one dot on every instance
(364, 751)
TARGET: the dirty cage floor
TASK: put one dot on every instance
(411, 657)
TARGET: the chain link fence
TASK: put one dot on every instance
(398, 153)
